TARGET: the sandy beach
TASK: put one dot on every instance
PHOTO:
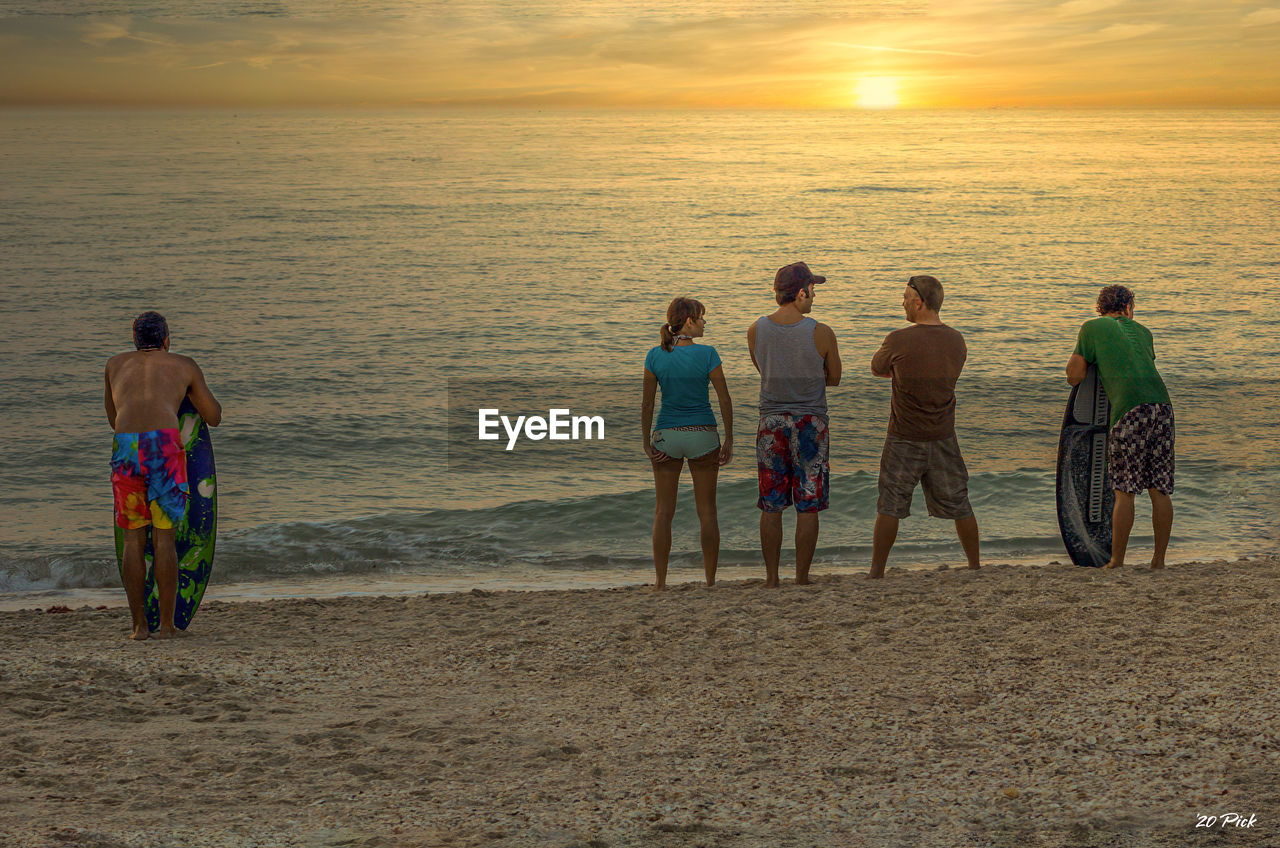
(1028, 706)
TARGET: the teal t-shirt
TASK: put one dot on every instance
(683, 375)
(1122, 350)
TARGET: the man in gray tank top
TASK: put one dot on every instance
(797, 359)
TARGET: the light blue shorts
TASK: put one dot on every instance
(679, 444)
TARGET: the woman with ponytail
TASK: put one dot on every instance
(686, 428)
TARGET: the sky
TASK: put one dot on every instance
(631, 54)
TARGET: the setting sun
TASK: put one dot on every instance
(877, 93)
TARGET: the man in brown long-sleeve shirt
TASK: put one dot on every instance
(924, 361)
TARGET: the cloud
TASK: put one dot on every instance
(98, 33)
(1086, 7)
(627, 52)
(1262, 17)
(897, 49)
(1115, 32)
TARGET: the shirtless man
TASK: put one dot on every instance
(144, 389)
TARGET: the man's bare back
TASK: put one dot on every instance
(144, 389)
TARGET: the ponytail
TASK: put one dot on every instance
(668, 338)
(678, 314)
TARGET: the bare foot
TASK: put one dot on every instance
(803, 581)
(659, 587)
(1111, 564)
(975, 567)
(771, 584)
(1156, 565)
(140, 633)
(169, 633)
(875, 575)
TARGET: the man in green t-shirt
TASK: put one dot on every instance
(1140, 444)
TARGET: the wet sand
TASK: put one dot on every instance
(1013, 706)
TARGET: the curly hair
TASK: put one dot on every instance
(1113, 299)
(149, 331)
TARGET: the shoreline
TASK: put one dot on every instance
(394, 584)
(995, 707)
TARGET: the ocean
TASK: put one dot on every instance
(355, 283)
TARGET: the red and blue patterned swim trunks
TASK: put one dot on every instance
(792, 462)
(149, 479)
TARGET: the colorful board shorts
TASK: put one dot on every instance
(1140, 449)
(937, 466)
(149, 479)
(792, 462)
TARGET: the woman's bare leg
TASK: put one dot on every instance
(706, 475)
(666, 484)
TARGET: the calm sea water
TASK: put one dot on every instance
(351, 281)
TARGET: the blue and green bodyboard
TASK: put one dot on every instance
(195, 534)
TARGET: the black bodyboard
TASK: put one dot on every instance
(1085, 495)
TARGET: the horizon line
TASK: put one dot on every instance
(614, 107)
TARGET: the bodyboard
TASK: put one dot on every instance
(1085, 495)
(195, 535)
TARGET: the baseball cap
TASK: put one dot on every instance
(790, 279)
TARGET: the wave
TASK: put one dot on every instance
(613, 532)
(866, 189)
(602, 531)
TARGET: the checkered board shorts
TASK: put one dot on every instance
(1140, 449)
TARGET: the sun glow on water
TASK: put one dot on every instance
(877, 93)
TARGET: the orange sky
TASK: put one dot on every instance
(1078, 53)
